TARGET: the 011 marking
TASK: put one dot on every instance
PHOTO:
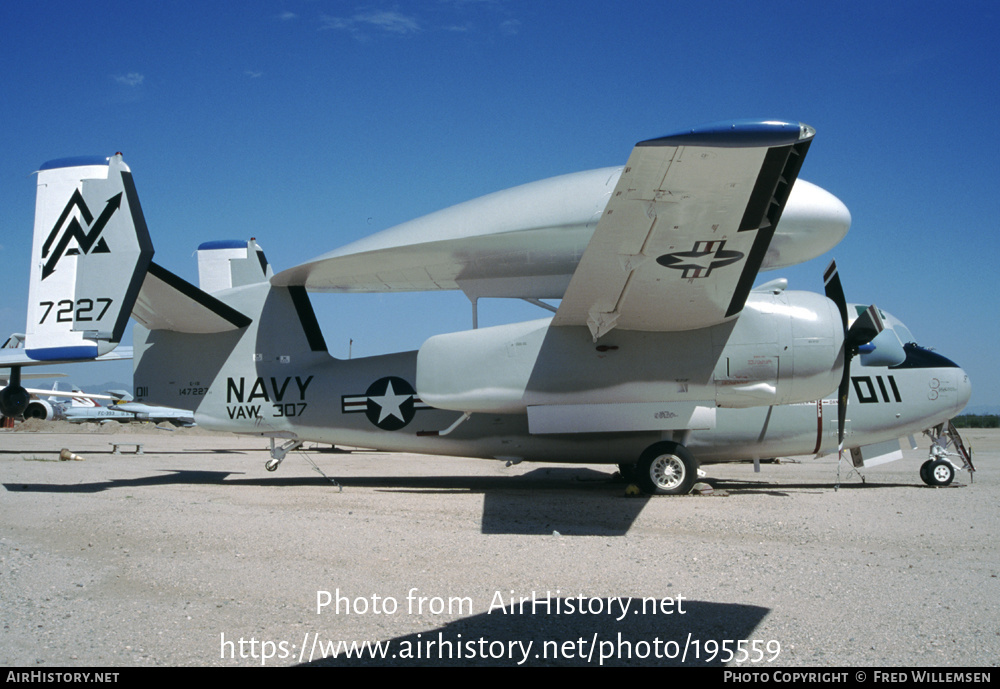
(864, 387)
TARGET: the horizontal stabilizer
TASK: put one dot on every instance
(18, 358)
(168, 302)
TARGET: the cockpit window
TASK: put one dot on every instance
(903, 333)
(918, 357)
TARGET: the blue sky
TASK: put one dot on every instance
(311, 123)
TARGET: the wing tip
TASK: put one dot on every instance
(737, 133)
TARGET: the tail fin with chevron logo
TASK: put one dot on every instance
(90, 254)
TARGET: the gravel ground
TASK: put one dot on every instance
(177, 556)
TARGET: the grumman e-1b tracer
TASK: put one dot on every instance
(661, 354)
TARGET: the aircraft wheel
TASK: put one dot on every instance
(271, 464)
(666, 469)
(924, 468)
(940, 473)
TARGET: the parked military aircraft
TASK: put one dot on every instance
(122, 409)
(660, 356)
(77, 406)
(42, 403)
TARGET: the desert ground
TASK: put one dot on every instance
(191, 554)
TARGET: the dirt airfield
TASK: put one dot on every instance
(192, 554)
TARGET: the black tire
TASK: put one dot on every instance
(666, 468)
(940, 473)
(924, 472)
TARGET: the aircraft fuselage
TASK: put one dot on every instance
(728, 388)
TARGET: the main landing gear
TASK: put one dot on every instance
(278, 453)
(940, 468)
(665, 468)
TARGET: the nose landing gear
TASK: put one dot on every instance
(946, 443)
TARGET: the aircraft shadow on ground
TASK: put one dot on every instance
(573, 501)
(164, 478)
(741, 487)
(590, 503)
(414, 484)
(559, 638)
(567, 500)
(570, 501)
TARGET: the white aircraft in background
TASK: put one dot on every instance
(45, 404)
(661, 355)
(77, 406)
(124, 410)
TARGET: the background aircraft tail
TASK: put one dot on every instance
(90, 254)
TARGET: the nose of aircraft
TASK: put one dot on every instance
(964, 392)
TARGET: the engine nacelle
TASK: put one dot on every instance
(39, 409)
(784, 348)
(13, 401)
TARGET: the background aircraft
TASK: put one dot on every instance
(127, 413)
(43, 404)
(660, 355)
(124, 410)
(77, 406)
(40, 403)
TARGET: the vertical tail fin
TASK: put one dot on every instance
(226, 264)
(90, 254)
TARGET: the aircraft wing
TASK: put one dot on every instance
(38, 392)
(527, 241)
(25, 376)
(686, 229)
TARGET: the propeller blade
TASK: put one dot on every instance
(878, 345)
(867, 335)
(865, 328)
(835, 291)
(845, 386)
